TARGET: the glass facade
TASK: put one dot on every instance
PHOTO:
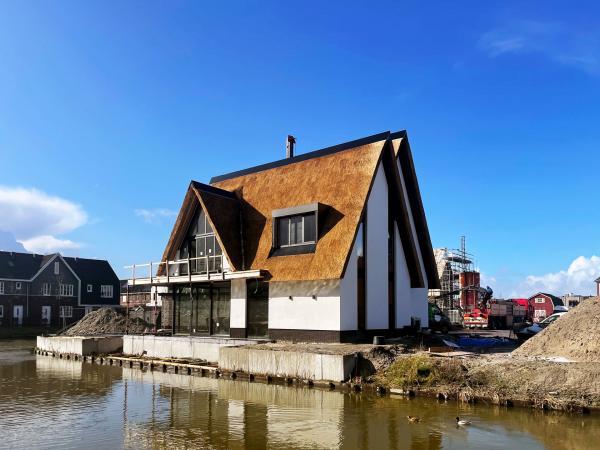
(200, 243)
(257, 308)
(202, 309)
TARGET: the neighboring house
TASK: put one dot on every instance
(52, 290)
(541, 305)
(571, 300)
(326, 246)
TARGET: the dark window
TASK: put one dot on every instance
(296, 230)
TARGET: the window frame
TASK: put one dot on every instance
(1, 311)
(18, 285)
(56, 267)
(62, 311)
(280, 220)
(90, 288)
(1, 287)
(540, 300)
(279, 215)
(105, 289)
(66, 290)
(47, 289)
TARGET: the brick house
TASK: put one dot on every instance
(52, 290)
(542, 305)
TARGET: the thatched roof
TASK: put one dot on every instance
(338, 177)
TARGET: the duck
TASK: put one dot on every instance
(462, 422)
(413, 419)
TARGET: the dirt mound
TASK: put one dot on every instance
(106, 321)
(575, 336)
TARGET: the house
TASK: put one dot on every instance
(571, 300)
(326, 246)
(142, 301)
(542, 305)
(53, 290)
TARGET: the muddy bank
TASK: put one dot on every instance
(497, 379)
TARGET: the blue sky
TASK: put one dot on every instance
(109, 109)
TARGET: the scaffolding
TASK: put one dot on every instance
(451, 263)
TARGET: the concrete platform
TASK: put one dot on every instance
(306, 366)
(180, 347)
(80, 345)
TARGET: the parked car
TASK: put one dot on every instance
(532, 330)
(438, 321)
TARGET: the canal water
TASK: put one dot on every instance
(50, 403)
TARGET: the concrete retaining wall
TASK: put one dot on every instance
(80, 345)
(181, 347)
(308, 366)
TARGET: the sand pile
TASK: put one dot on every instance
(575, 336)
(106, 321)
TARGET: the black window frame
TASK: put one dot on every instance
(287, 214)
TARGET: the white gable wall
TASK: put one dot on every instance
(349, 293)
(377, 254)
(410, 302)
(417, 305)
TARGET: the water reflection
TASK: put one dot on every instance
(53, 403)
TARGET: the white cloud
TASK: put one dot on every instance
(49, 244)
(577, 278)
(578, 48)
(155, 215)
(34, 218)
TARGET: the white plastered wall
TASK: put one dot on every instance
(377, 254)
(238, 304)
(349, 293)
(292, 306)
(417, 305)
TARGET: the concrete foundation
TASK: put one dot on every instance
(80, 345)
(179, 347)
(306, 366)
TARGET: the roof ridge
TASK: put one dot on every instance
(305, 156)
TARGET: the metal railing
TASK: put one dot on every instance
(164, 270)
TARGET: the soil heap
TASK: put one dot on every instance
(106, 321)
(575, 336)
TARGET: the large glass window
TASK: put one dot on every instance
(205, 311)
(202, 247)
(221, 307)
(202, 310)
(183, 311)
(296, 230)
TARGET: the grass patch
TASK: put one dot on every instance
(421, 370)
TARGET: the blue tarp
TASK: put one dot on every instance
(465, 341)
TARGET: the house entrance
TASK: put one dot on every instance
(18, 315)
(46, 314)
(257, 309)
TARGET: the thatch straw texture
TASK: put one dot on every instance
(340, 180)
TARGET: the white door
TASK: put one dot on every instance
(46, 314)
(18, 315)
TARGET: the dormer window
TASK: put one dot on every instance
(295, 230)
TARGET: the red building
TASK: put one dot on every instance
(542, 305)
(469, 294)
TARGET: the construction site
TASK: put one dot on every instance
(462, 298)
